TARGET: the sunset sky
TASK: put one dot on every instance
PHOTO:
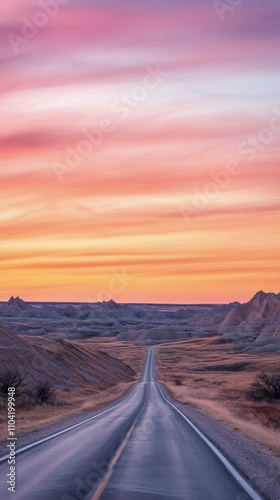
(140, 147)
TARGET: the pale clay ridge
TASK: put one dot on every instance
(63, 364)
(253, 326)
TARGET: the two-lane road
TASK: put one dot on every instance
(141, 448)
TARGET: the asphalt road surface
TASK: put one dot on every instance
(142, 448)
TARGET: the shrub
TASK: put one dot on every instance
(265, 387)
(43, 393)
(178, 381)
(10, 379)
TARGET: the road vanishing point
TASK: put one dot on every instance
(141, 448)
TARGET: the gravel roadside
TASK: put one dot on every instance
(257, 464)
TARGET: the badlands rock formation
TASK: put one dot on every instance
(255, 325)
(251, 326)
(62, 363)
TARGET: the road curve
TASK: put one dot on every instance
(142, 448)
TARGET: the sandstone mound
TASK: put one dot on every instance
(263, 306)
(255, 325)
(62, 363)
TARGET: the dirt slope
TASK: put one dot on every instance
(63, 363)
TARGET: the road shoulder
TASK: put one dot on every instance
(252, 460)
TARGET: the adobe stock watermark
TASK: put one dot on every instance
(221, 180)
(224, 7)
(117, 283)
(30, 27)
(87, 485)
(121, 108)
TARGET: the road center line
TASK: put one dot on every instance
(114, 460)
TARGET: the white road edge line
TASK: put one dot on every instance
(253, 494)
(48, 438)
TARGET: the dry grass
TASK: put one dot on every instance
(127, 352)
(68, 404)
(212, 379)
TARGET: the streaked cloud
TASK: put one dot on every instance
(210, 103)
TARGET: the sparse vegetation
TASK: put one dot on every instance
(216, 380)
(43, 393)
(266, 387)
(26, 395)
(178, 381)
(10, 379)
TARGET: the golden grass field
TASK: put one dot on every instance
(212, 379)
